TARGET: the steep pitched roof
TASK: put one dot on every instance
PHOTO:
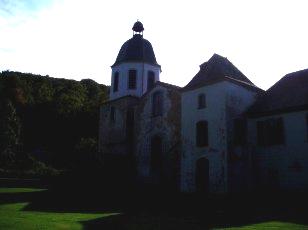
(218, 68)
(290, 93)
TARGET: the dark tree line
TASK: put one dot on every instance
(48, 120)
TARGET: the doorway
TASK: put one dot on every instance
(202, 175)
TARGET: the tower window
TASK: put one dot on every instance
(151, 79)
(157, 104)
(270, 132)
(116, 82)
(132, 79)
(112, 114)
(201, 101)
(202, 134)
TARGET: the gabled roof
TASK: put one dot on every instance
(218, 68)
(167, 85)
(290, 93)
(163, 84)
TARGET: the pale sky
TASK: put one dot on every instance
(77, 39)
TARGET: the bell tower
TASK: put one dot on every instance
(135, 70)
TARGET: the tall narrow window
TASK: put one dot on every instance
(307, 125)
(116, 82)
(270, 132)
(240, 131)
(201, 101)
(132, 79)
(156, 154)
(157, 104)
(151, 79)
(112, 114)
(202, 134)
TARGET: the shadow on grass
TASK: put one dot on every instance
(149, 210)
(189, 212)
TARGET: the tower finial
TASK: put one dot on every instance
(138, 27)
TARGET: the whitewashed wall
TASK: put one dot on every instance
(215, 152)
(142, 76)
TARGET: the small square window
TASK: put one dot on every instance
(270, 132)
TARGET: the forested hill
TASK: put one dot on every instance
(48, 119)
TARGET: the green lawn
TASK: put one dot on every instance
(20, 190)
(15, 215)
(12, 215)
(272, 225)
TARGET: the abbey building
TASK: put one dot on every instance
(220, 133)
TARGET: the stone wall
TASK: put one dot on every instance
(167, 127)
(239, 99)
(113, 139)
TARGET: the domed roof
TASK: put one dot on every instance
(136, 49)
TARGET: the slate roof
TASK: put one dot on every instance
(136, 49)
(167, 85)
(218, 68)
(163, 84)
(290, 93)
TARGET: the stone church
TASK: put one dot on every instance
(220, 133)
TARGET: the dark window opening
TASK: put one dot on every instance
(130, 122)
(157, 104)
(201, 101)
(156, 154)
(202, 133)
(270, 132)
(112, 114)
(116, 82)
(132, 79)
(240, 131)
(307, 125)
(151, 79)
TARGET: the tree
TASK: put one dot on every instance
(9, 134)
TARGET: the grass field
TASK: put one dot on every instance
(12, 216)
(17, 212)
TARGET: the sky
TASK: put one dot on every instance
(79, 39)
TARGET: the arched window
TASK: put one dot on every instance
(116, 82)
(157, 104)
(151, 80)
(202, 134)
(201, 101)
(132, 79)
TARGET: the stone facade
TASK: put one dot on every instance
(220, 133)
(166, 127)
